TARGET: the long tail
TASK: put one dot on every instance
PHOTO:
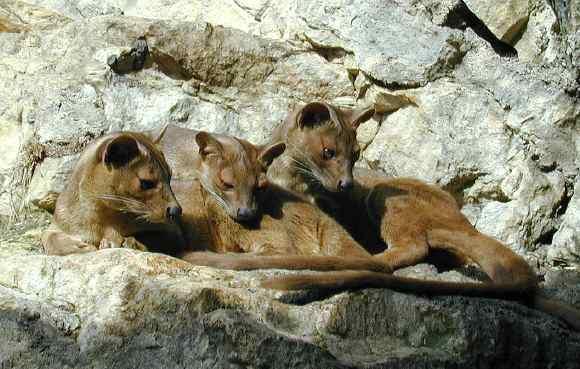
(512, 278)
(499, 262)
(363, 279)
(288, 262)
(343, 280)
(566, 312)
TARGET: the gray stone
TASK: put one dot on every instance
(566, 243)
(244, 86)
(505, 19)
(127, 309)
(17, 16)
(567, 13)
(540, 43)
(386, 42)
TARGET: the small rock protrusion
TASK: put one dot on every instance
(132, 60)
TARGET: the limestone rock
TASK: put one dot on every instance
(17, 16)
(82, 8)
(566, 243)
(238, 84)
(506, 19)
(127, 309)
(540, 43)
(567, 13)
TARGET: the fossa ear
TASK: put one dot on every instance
(315, 113)
(269, 153)
(120, 150)
(208, 145)
(357, 116)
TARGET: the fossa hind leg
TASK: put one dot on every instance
(404, 251)
(267, 242)
(403, 233)
(315, 233)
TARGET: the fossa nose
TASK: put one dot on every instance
(245, 214)
(173, 212)
(345, 185)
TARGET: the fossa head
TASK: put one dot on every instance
(233, 171)
(131, 176)
(322, 143)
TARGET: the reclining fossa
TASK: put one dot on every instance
(413, 218)
(118, 188)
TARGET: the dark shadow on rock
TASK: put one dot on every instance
(132, 60)
(461, 17)
(140, 56)
(305, 297)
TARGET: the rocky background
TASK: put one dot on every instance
(457, 108)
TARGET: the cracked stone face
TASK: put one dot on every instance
(501, 134)
(126, 308)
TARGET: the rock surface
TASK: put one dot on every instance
(501, 134)
(126, 309)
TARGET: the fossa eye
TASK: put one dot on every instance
(147, 184)
(328, 154)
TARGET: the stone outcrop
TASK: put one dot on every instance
(126, 309)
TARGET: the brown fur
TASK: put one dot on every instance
(283, 223)
(231, 169)
(104, 204)
(287, 226)
(306, 132)
(411, 217)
